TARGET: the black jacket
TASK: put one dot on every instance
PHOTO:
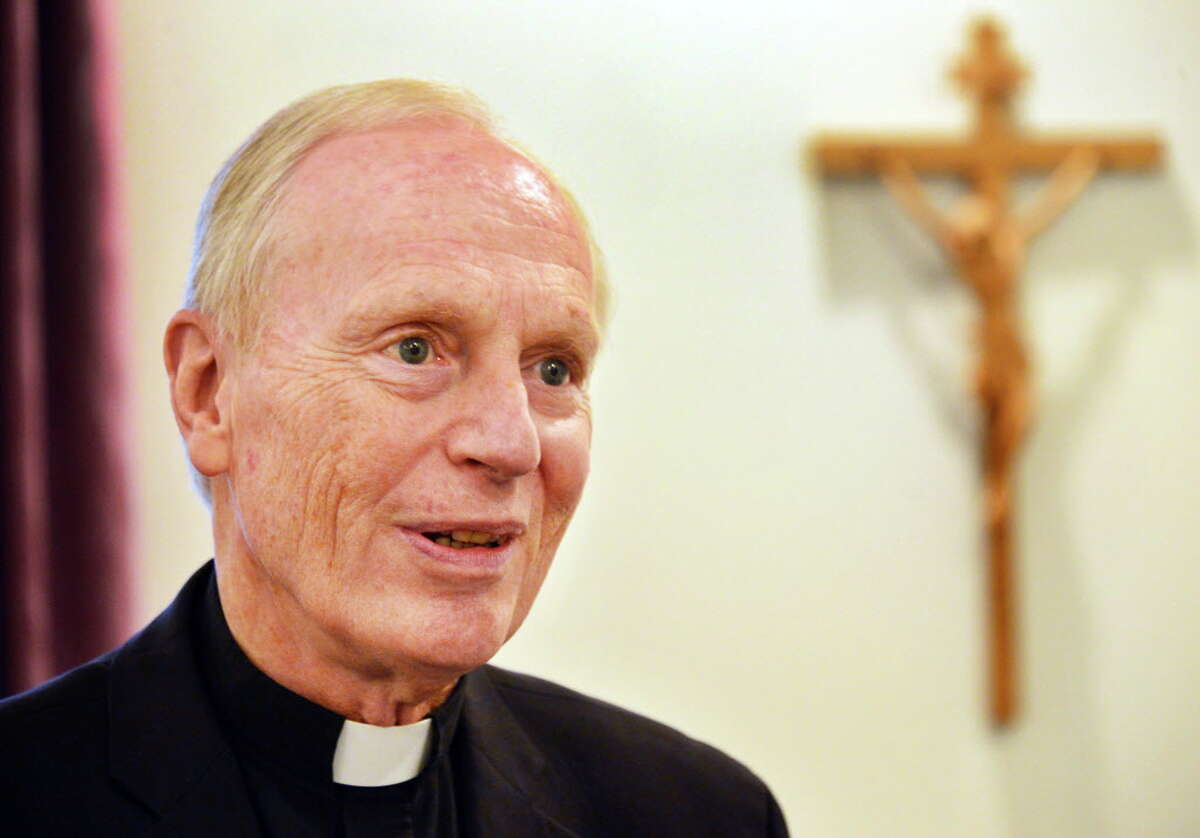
(128, 745)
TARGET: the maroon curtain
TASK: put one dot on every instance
(65, 580)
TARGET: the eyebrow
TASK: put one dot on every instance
(583, 344)
(373, 314)
(380, 310)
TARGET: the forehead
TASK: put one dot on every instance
(422, 174)
(435, 194)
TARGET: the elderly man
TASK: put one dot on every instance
(381, 379)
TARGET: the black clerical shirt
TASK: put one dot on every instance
(285, 746)
(177, 735)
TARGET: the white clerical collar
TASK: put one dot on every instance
(367, 755)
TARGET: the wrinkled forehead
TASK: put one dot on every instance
(428, 203)
(427, 178)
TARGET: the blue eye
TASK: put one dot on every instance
(554, 371)
(413, 350)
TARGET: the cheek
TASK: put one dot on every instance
(564, 470)
(566, 457)
(562, 473)
(295, 452)
(279, 441)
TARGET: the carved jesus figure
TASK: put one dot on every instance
(987, 245)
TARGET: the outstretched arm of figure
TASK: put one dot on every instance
(902, 182)
(1068, 180)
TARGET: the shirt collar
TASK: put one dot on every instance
(288, 733)
(367, 755)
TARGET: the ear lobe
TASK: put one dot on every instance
(196, 373)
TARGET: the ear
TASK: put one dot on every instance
(197, 373)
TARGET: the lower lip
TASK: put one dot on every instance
(470, 561)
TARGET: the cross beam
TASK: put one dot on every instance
(985, 239)
(849, 155)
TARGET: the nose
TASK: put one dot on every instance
(495, 429)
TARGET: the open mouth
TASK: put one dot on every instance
(462, 539)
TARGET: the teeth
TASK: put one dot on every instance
(472, 536)
(459, 539)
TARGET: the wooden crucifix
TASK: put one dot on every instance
(985, 239)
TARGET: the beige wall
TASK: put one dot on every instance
(779, 549)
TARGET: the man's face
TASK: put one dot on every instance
(418, 387)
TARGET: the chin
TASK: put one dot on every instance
(446, 661)
(447, 642)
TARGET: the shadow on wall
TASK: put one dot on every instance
(1124, 229)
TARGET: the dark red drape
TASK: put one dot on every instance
(65, 569)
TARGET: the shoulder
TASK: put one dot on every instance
(62, 741)
(62, 713)
(634, 766)
(55, 741)
(74, 707)
(602, 729)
